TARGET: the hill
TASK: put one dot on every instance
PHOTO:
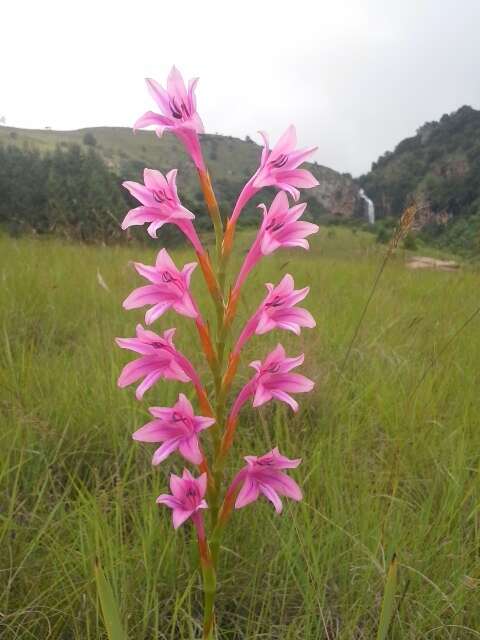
(440, 166)
(231, 162)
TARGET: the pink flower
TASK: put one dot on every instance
(178, 428)
(279, 168)
(281, 227)
(187, 498)
(273, 380)
(278, 311)
(160, 205)
(178, 113)
(159, 359)
(264, 475)
(170, 289)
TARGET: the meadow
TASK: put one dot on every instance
(390, 445)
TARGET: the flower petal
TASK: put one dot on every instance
(149, 118)
(155, 431)
(138, 216)
(169, 501)
(262, 395)
(284, 397)
(247, 494)
(135, 370)
(165, 450)
(190, 450)
(285, 144)
(156, 311)
(159, 94)
(141, 296)
(272, 495)
(286, 486)
(148, 382)
(179, 516)
(140, 193)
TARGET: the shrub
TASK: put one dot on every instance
(410, 243)
(89, 139)
(382, 235)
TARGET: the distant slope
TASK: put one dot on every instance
(440, 165)
(231, 161)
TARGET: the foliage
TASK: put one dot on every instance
(462, 236)
(231, 161)
(410, 242)
(68, 190)
(89, 139)
(440, 164)
(109, 606)
(383, 236)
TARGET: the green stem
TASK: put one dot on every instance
(209, 581)
(209, 591)
(210, 551)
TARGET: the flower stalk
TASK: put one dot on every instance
(178, 429)
(213, 209)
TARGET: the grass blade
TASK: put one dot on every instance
(388, 604)
(110, 610)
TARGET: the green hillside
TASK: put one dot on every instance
(231, 162)
(440, 166)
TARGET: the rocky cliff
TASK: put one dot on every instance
(440, 166)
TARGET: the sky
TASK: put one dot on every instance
(355, 77)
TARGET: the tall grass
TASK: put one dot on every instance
(389, 467)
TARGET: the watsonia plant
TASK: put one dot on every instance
(180, 428)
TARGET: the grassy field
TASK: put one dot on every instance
(390, 466)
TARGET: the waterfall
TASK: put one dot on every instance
(370, 206)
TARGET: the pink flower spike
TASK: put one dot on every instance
(265, 475)
(159, 359)
(278, 168)
(280, 228)
(187, 498)
(178, 428)
(178, 113)
(160, 205)
(278, 311)
(170, 289)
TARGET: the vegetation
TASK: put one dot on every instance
(461, 235)
(68, 190)
(119, 155)
(410, 243)
(440, 165)
(390, 452)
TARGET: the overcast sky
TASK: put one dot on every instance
(354, 77)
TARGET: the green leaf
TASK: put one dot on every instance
(109, 606)
(388, 604)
